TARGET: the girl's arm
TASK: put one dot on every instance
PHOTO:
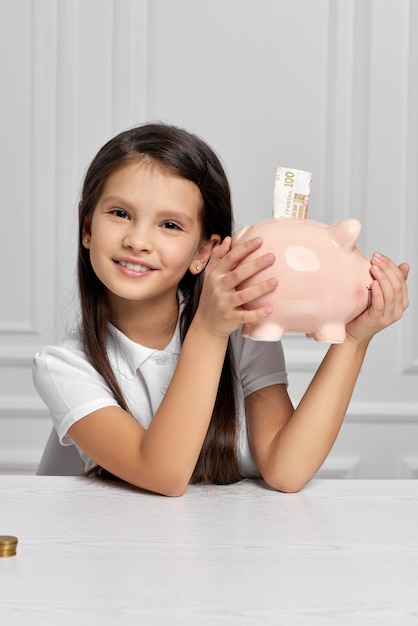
(289, 445)
(162, 458)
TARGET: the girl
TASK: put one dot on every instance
(159, 388)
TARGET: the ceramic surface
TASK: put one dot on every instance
(324, 279)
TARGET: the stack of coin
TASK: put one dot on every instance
(8, 545)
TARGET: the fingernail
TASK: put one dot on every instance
(269, 257)
(377, 257)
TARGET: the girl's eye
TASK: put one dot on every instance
(171, 226)
(119, 213)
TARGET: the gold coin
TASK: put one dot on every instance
(8, 545)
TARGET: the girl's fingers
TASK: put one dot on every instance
(391, 280)
(234, 265)
(235, 255)
(248, 267)
(243, 296)
(389, 298)
(224, 300)
(404, 269)
(221, 249)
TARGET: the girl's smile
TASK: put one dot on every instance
(132, 268)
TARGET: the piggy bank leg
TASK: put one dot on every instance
(263, 332)
(329, 333)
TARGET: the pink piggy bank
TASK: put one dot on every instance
(324, 279)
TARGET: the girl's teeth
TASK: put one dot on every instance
(134, 266)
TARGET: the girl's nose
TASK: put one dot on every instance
(138, 239)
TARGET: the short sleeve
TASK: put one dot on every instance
(70, 387)
(259, 363)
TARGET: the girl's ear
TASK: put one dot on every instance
(86, 239)
(86, 232)
(202, 256)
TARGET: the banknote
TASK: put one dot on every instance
(291, 193)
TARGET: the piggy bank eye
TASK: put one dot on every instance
(302, 259)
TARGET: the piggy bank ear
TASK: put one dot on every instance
(345, 234)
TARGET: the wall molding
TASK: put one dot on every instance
(22, 407)
(19, 461)
(131, 62)
(409, 344)
(339, 467)
(384, 413)
(32, 293)
(81, 71)
(362, 412)
(16, 355)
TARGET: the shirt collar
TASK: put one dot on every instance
(127, 356)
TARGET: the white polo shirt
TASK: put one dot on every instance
(72, 388)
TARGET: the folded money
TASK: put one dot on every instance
(291, 193)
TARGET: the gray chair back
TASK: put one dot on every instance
(58, 460)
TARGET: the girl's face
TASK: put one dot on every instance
(145, 233)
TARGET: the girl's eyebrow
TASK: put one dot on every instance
(174, 214)
(116, 200)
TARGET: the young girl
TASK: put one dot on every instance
(158, 387)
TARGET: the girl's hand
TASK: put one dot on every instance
(389, 299)
(220, 306)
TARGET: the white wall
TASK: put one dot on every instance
(325, 85)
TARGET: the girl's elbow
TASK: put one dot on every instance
(287, 486)
(172, 487)
(285, 483)
(163, 479)
(290, 487)
(173, 491)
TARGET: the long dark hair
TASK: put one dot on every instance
(186, 155)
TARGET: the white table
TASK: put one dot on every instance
(339, 552)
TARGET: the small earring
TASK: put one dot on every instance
(197, 267)
(86, 240)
